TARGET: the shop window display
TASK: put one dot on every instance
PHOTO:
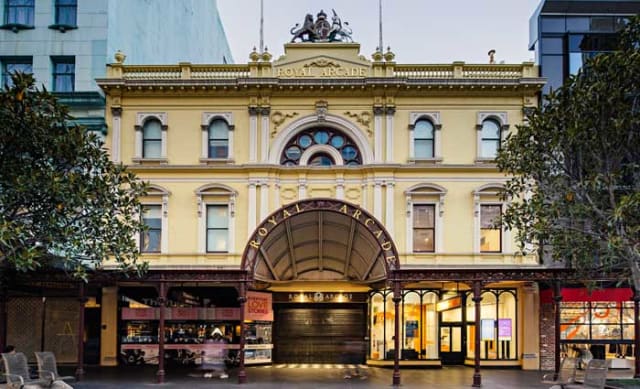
(418, 326)
(497, 325)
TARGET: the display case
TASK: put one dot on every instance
(258, 343)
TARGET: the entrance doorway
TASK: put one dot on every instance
(451, 344)
(319, 333)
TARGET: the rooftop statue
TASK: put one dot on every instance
(321, 30)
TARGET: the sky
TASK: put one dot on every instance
(418, 31)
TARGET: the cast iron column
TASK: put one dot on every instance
(636, 331)
(397, 297)
(557, 298)
(242, 299)
(477, 298)
(162, 299)
(82, 299)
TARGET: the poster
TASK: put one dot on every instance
(487, 327)
(504, 329)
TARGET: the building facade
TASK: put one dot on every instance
(353, 197)
(67, 43)
(565, 33)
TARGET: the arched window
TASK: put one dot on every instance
(424, 139)
(152, 139)
(218, 139)
(490, 138)
(327, 147)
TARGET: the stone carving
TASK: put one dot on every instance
(278, 118)
(363, 117)
(322, 63)
(321, 30)
(322, 108)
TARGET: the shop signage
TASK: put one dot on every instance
(369, 222)
(487, 327)
(320, 297)
(452, 303)
(258, 306)
(139, 314)
(227, 313)
(331, 70)
(504, 329)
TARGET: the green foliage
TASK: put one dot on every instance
(575, 189)
(63, 203)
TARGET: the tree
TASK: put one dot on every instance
(63, 203)
(575, 168)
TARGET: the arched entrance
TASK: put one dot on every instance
(324, 242)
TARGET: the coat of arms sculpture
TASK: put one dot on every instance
(321, 30)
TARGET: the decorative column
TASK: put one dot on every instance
(81, 300)
(302, 188)
(264, 134)
(116, 113)
(377, 199)
(477, 298)
(557, 298)
(276, 200)
(251, 212)
(389, 220)
(242, 299)
(377, 134)
(264, 200)
(340, 188)
(390, 111)
(636, 331)
(253, 134)
(162, 300)
(397, 298)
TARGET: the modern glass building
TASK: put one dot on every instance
(565, 33)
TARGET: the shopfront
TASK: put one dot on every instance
(600, 320)
(200, 324)
(439, 325)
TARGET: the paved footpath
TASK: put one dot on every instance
(278, 376)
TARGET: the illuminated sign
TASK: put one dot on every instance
(487, 329)
(452, 303)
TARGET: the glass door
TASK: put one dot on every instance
(451, 344)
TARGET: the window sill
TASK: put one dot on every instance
(485, 160)
(150, 161)
(426, 160)
(216, 161)
(15, 27)
(62, 27)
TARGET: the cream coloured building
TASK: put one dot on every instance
(314, 188)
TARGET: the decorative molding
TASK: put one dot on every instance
(322, 63)
(208, 117)
(116, 111)
(277, 118)
(142, 117)
(322, 108)
(363, 117)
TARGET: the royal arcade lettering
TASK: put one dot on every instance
(354, 212)
(322, 72)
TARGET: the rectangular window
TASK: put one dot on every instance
(66, 12)
(64, 71)
(19, 12)
(151, 238)
(490, 230)
(15, 64)
(217, 228)
(424, 228)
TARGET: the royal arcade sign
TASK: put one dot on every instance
(353, 211)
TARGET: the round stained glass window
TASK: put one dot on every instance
(321, 137)
(327, 137)
(349, 153)
(305, 141)
(337, 141)
(293, 152)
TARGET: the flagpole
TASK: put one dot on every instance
(261, 26)
(380, 46)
